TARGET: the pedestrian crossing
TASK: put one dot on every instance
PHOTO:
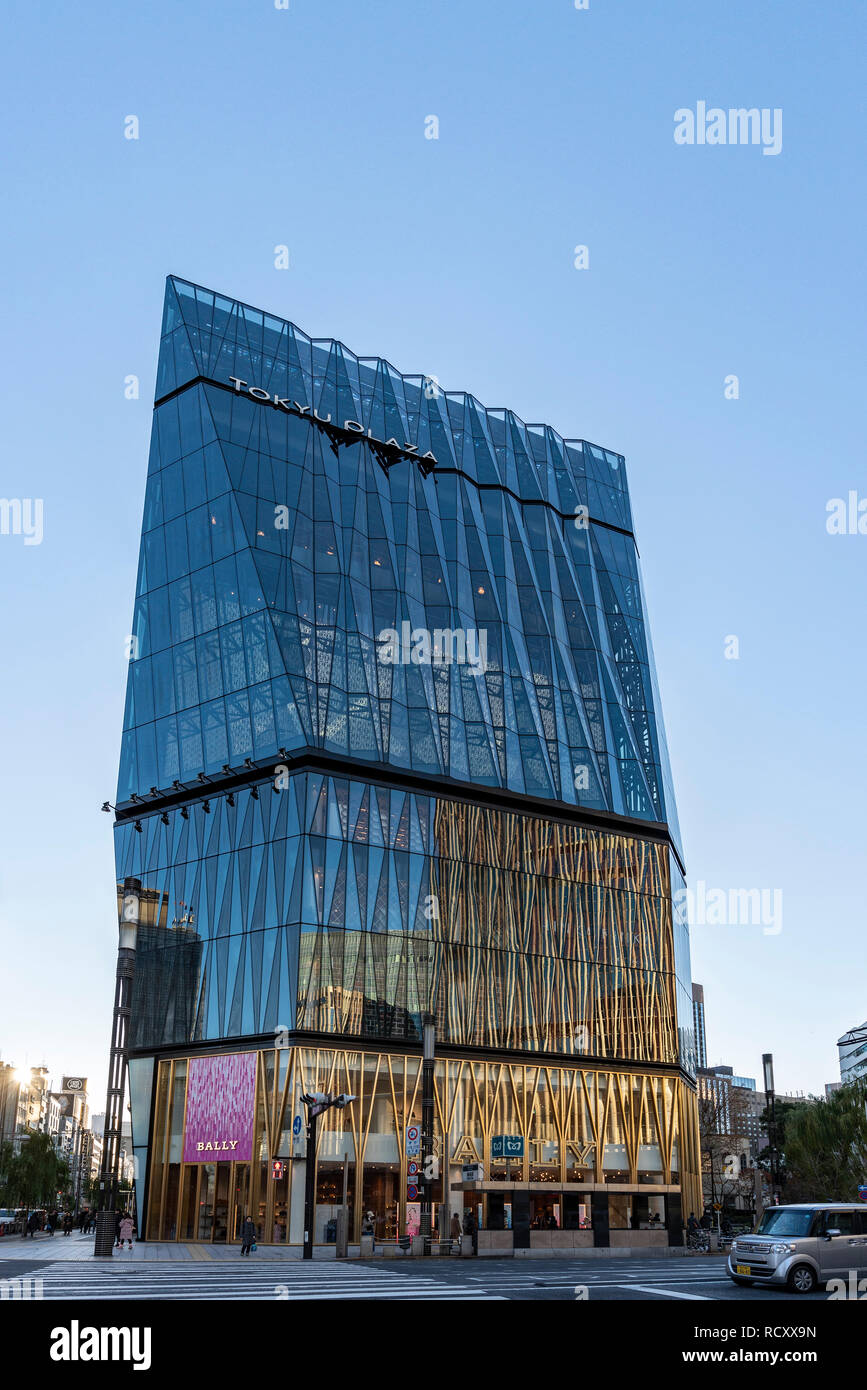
(295, 1281)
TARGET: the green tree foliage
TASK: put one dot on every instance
(784, 1111)
(35, 1175)
(826, 1145)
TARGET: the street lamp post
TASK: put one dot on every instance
(768, 1069)
(316, 1102)
(427, 1126)
(108, 1179)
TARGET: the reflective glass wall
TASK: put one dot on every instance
(279, 547)
(339, 906)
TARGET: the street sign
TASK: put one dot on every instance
(472, 1172)
(277, 1168)
(411, 1192)
(412, 1168)
(862, 1193)
(296, 1126)
(413, 1141)
(507, 1146)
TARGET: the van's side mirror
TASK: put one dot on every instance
(833, 1231)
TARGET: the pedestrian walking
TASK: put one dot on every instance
(248, 1235)
(117, 1232)
(368, 1228)
(67, 1223)
(126, 1230)
(33, 1223)
(470, 1230)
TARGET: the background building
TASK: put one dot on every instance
(699, 1025)
(852, 1048)
(9, 1088)
(392, 746)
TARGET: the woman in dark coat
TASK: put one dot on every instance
(248, 1235)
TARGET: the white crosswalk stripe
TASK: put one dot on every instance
(282, 1279)
(273, 1281)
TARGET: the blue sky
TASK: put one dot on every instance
(306, 128)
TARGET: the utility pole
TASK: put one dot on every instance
(427, 1126)
(768, 1068)
(108, 1180)
(316, 1102)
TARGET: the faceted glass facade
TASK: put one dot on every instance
(392, 741)
(343, 907)
(250, 636)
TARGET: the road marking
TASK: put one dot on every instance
(664, 1293)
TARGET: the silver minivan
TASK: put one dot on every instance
(802, 1246)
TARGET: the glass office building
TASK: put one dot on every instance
(393, 747)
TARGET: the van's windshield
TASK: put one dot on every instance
(776, 1221)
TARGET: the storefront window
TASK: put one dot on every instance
(545, 1165)
(615, 1164)
(187, 1219)
(280, 1231)
(206, 1201)
(241, 1199)
(380, 1195)
(329, 1196)
(620, 1212)
(546, 1211)
(576, 1212)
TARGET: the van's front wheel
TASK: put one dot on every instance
(802, 1279)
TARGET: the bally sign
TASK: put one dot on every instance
(221, 1100)
(350, 429)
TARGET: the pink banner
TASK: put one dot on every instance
(221, 1102)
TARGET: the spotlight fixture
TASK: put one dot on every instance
(248, 762)
(185, 813)
(176, 784)
(106, 806)
(227, 769)
(206, 806)
(203, 777)
(138, 826)
(284, 755)
(230, 799)
(254, 792)
(155, 791)
(165, 817)
(134, 797)
(275, 789)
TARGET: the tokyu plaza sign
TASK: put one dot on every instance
(350, 428)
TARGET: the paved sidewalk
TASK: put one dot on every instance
(79, 1247)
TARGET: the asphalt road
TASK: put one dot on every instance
(698, 1279)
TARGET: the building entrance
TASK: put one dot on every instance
(214, 1200)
